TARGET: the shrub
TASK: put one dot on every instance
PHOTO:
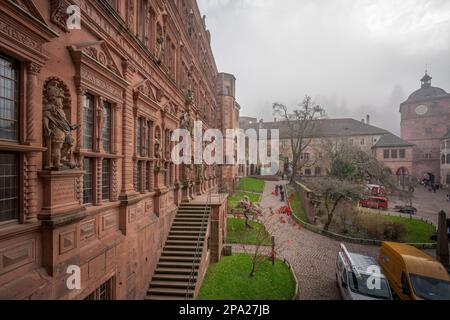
(375, 227)
(394, 230)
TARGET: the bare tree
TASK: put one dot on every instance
(333, 192)
(301, 124)
(271, 223)
(353, 164)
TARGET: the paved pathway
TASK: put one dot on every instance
(312, 256)
(428, 203)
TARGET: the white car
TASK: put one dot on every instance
(359, 277)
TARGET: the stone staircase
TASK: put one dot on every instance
(172, 279)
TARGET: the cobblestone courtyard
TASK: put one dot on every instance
(427, 203)
(312, 256)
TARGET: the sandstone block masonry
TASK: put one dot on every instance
(86, 120)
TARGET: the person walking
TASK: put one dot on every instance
(282, 193)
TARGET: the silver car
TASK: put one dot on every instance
(359, 277)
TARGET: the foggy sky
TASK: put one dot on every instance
(354, 57)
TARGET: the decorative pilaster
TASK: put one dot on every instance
(33, 108)
(114, 185)
(98, 181)
(80, 105)
(30, 161)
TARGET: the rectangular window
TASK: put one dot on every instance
(106, 179)
(402, 153)
(144, 139)
(8, 99)
(88, 190)
(138, 136)
(394, 154)
(150, 138)
(88, 121)
(106, 131)
(104, 292)
(143, 11)
(9, 186)
(145, 177)
(363, 142)
(139, 177)
(387, 154)
(448, 158)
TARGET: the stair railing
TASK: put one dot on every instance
(205, 220)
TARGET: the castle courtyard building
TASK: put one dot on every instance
(87, 182)
(425, 120)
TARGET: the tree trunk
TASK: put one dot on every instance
(294, 171)
(329, 220)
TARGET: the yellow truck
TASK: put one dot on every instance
(412, 274)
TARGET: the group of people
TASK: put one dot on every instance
(280, 192)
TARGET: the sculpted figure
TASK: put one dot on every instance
(57, 129)
(189, 171)
(160, 46)
(158, 153)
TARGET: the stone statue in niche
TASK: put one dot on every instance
(186, 122)
(159, 53)
(158, 151)
(188, 172)
(190, 96)
(57, 129)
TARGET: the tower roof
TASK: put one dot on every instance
(427, 92)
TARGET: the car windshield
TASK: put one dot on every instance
(360, 286)
(429, 288)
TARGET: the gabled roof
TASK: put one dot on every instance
(322, 128)
(391, 140)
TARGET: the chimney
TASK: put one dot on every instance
(261, 123)
(275, 120)
(368, 119)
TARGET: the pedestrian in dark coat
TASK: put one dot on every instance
(282, 193)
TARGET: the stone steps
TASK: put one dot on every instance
(171, 292)
(176, 273)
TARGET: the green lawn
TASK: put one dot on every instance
(296, 205)
(229, 280)
(238, 233)
(251, 185)
(416, 231)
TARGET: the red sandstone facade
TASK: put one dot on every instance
(127, 77)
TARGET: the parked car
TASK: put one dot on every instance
(408, 210)
(412, 274)
(353, 275)
(375, 203)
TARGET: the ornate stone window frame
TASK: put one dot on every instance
(97, 74)
(145, 108)
(23, 33)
